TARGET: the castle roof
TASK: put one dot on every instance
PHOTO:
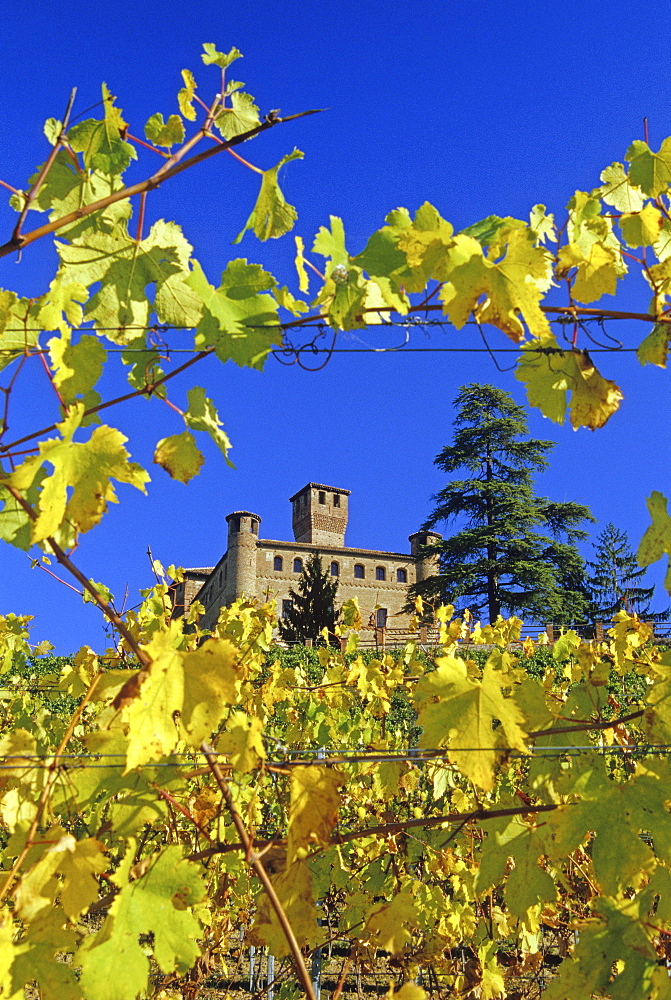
(319, 486)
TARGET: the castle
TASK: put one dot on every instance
(268, 569)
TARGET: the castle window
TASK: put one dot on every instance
(277, 564)
(298, 565)
(286, 608)
(255, 527)
(359, 571)
(335, 569)
(235, 523)
(322, 496)
(336, 499)
(381, 618)
(380, 573)
(401, 576)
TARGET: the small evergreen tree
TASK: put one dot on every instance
(500, 561)
(312, 604)
(614, 577)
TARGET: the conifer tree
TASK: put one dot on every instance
(312, 604)
(613, 578)
(501, 561)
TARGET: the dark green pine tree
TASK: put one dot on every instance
(613, 578)
(514, 552)
(312, 605)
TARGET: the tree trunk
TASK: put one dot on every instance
(492, 575)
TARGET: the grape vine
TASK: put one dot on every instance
(474, 816)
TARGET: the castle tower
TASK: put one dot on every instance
(243, 535)
(428, 565)
(320, 515)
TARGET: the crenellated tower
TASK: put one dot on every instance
(320, 515)
(427, 565)
(243, 537)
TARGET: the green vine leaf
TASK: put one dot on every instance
(159, 904)
(271, 216)
(164, 133)
(651, 172)
(238, 321)
(212, 57)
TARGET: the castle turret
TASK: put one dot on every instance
(243, 535)
(426, 565)
(320, 515)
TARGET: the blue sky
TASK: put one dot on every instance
(478, 107)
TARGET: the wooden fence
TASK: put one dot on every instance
(428, 636)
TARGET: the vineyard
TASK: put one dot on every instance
(481, 822)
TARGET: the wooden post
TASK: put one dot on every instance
(550, 630)
(598, 631)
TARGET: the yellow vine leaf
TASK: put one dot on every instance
(212, 678)
(655, 348)
(242, 741)
(82, 861)
(387, 924)
(657, 539)
(77, 861)
(549, 374)
(511, 288)
(642, 229)
(75, 496)
(313, 809)
(195, 687)
(186, 94)
(294, 891)
(179, 456)
(457, 712)
(409, 991)
(6, 952)
(596, 274)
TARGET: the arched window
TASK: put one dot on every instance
(298, 565)
(359, 571)
(335, 569)
(277, 564)
(381, 617)
(380, 573)
(401, 576)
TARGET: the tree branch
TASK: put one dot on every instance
(254, 861)
(147, 390)
(19, 240)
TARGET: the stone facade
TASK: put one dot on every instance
(266, 569)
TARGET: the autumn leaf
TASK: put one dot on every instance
(657, 539)
(179, 456)
(550, 374)
(458, 712)
(388, 925)
(654, 349)
(242, 741)
(313, 809)
(294, 891)
(74, 497)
